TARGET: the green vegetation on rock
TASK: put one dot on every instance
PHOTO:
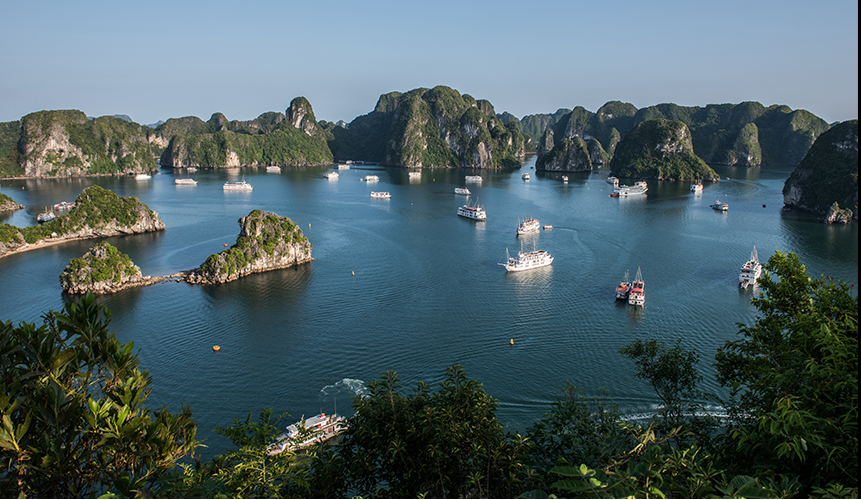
(659, 149)
(435, 127)
(828, 173)
(97, 211)
(101, 264)
(266, 241)
(10, 158)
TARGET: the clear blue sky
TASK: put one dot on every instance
(161, 59)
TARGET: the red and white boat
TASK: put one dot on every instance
(637, 295)
(623, 288)
(305, 433)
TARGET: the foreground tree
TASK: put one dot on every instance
(441, 445)
(74, 422)
(793, 380)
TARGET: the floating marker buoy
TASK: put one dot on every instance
(763, 205)
(225, 244)
(216, 348)
(354, 273)
(309, 224)
(511, 342)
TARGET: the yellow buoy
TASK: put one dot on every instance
(511, 342)
(309, 224)
(354, 273)
(216, 348)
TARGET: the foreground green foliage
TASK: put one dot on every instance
(438, 445)
(793, 378)
(74, 423)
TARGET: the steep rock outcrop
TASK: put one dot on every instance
(8, 204)
(435, 127)
(67, 143)
(97, 213)
(659, 149)
(102, 270)
(569, 155)
(276, 139)
(266, 241)
(828, 174)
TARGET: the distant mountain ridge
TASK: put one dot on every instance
(419, 128)
(746, 134)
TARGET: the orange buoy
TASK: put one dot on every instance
(216, 348)
(511, 342)
(354, 273)
(225, 244)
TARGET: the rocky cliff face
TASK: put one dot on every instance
(746, 134)
(569, 155)
(67, 143)
(659, 149)
(294, 138)
(102, 270)
(97, 213)
(266, 242)
(436, 127)
(826, 179)
(8, 204)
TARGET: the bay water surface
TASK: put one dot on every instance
(404, 284)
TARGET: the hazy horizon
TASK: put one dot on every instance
(163, 60)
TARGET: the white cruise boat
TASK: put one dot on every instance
(613, 180)
(565, 179)
(697, 188)
(527, 260)
(475, 213)
(370, 178)
(191, 169)
(639, 187)
(462, 190)
(719, 206)
(331, 175)
(308, 432)
(185, 182)
(143, 177)
(750, 271)
(237, 186)
(415, 175)
(525, 176)
(273, 169)
(343, 166)
(637, 294)
(473, 178)
(528, 226)
(64, 205)
(380, 194)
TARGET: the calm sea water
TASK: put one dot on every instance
(405, 284)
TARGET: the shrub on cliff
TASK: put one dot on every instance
(102, 267)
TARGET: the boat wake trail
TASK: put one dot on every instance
(346, 386)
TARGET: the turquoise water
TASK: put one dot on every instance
(404, 284)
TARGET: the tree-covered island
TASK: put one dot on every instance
(97, 213)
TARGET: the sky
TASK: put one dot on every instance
(159, 59)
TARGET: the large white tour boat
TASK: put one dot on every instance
(750, 271)
(639, 187)
(415, 175)
(637, 294)
(237, 186)
(46, 216)
(623, 288)
(697, 188)
(370, 178)
(143, 177)
(343, 166)
(462, 190)
(476, 212)
(528, 226)
(473, 178)
(308, 432)
(273, 169)
(527, 260)
(331, 175)
(380, 194)
(185, 182)
(525, 176)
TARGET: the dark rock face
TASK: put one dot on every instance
(102, 270)
(266, 241)
(569, 155)
(827, 177)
